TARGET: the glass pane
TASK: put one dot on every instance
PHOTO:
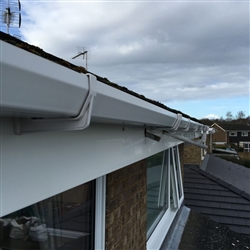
(156, 190)
(64, 221)
(177, 169)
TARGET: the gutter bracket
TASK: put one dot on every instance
(176, 123)
(80, 122)
(187, 127)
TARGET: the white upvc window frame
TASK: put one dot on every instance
(100, 208)
(233, 133)
(246, 149)
(158, 235)
(244, 133)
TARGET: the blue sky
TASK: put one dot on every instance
(218, 106)
(190, 55)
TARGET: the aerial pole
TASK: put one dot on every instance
(8, 16)
(12, 14)
(83, 53)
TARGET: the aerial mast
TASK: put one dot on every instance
(11, 16)
(83, 53)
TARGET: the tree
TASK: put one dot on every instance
(240, 115)
(221, 119)
(229, 116)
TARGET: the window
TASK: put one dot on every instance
(164, 187)
(60, 222)
(157, 200)
(244, 133)
(247, 147)
(232, 133)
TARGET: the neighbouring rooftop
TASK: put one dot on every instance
(234, 126)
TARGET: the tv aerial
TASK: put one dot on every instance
(11, 13)
(82, 52)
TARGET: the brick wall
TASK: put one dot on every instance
(192, 154)
(219, 135)
(126, 208)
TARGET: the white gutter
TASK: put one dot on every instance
(34, 87)
(185, 139)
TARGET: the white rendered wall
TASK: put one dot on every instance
(36, 166)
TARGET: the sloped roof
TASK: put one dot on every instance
(234, 126)
(38, 51)
(234, 175)
(217, 199)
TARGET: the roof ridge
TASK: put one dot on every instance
(217, 180)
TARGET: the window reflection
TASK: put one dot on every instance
(157, 201)
(64, 221)
(164, 188)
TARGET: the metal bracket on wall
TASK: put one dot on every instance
(80, 122)
(152, 136)
(184, 139)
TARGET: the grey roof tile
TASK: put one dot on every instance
(214, 204)
(237, 206)
(245, 230)
(245, 195)
(232, 213)
(244, 214)
(235, 228)
(208, 198)
(225, 205)
(207, 210)
(234, 126)
(214, 218)
(247, 222)
(239, 221)
(220, 211)
(229, 174)
(215, 199)
(226, 220)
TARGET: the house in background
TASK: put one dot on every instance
(232, 133)
(85, 163)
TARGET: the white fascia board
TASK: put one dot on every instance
(32, 86)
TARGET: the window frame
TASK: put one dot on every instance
(244, 133)
(100, 213)
(163, 192)
(246, 149)
(233, 133)
(159, 233)
(99, 207)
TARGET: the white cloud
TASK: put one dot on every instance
(164, 50)
(211, 117)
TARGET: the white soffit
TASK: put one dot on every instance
(35, 166)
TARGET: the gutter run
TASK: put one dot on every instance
(38, 99)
